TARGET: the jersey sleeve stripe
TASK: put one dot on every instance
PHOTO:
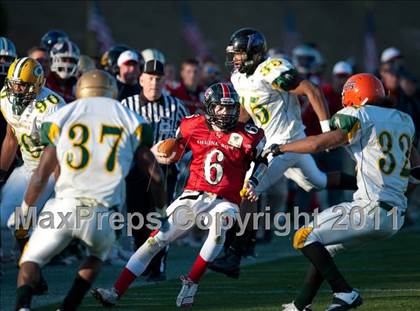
(353, 131)
(49, 133)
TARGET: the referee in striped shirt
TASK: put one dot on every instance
(164, 113)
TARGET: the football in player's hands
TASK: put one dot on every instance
(170, 148)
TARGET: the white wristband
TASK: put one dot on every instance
(325, 126)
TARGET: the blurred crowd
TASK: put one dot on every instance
(63, 64)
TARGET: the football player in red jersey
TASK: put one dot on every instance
(222, 150)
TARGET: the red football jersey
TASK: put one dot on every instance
(220, 160)
(64, 88)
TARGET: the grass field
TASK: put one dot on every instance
(387, 273)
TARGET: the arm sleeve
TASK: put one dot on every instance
(349, 123)
(50, 133)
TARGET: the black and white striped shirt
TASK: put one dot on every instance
(164, 115)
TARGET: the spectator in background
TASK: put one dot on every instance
(210, 73)
(391, 80)
(62, 79)
(410, 86)
(190, 91)
(128, 76)
(393, 56)
(41, 55)
(171, 81)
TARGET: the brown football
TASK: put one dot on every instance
(169, 147)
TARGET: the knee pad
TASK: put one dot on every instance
(301, 236)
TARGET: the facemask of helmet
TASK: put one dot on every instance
(222, 106)
(64, 59)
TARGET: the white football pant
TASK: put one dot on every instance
(13, 192)
(90, 224)
(349, 225)
(183, 214)
(301, 168)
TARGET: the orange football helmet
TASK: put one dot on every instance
(360, 89)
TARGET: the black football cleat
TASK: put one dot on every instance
(345, 301)
(228, 264)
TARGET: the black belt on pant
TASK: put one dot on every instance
(388, 207)
(195, 196)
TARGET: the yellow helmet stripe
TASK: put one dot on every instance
(19, 67)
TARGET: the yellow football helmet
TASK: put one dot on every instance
(24, 81)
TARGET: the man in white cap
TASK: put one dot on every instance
(128, 77)
(394, 57)
(390, 54)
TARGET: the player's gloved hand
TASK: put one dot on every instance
(248, 191)
(161, 157)
(274, 150)
(21, 229)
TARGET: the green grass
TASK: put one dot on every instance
(386, 272)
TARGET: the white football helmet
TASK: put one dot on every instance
(64, 59)
(7, 55)
(307, 59)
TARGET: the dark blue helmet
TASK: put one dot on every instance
(52, 37)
